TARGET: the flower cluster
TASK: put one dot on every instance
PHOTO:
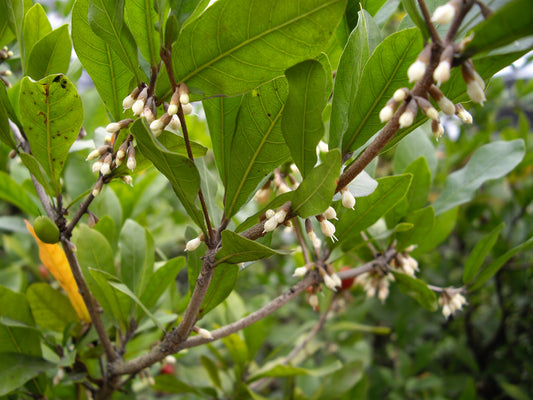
(403, 262)
(475, 84)
(451, 300)
(275, 218)
(375, 283)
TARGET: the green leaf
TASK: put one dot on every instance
(114, 282)
(11, 192)
(238, 351)
(185, 9)
(236, 249)
(423, 220)
(219, 52)
(52, 114)
(119, 303)
(170, 384)
(136, 256)
(222, 283)
(411, 7)
(495, 266)
(316, 191)
(416, 289)
(109, 74)
(17, 369)
(212, 370)
(142, 18)
(479, 253)
(6, 35)
(17, 337)
(106, 19)
(13, 12)
(160, 280)
(258, 146)
(5, 104)
(275, 368)
(361, 43)
(369, 209)
(417, 196)
(5, 130)
(301, 122)
(36, 26)
(443, 226)
(38, 172)
(490, 161)
(50, 308)
(511, 22)
(384, 73)
(221, 114)
(51, 54)
(179, 170)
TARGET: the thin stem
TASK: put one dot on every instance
(87, 298)
(458, 20)
(76, 218)
(435, 37)
(301, 240)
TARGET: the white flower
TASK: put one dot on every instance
(362, 186)
(328, 229)
(299, 272)
(444, 14)
(336, 279)
(270, 225)
(137, 107)
(97, 166)
(386, 113)
(416, 71)
(184, 99)
(313, 300)
(127, 179)
(400, 95)
(314, 239)
(113, 127)
(451, 302)
(170, 360)
(93, 154)
(131, 164)
(128, 102)
(442, 72)
(465, 116)
(432, 113)
(187, 108)
(105, 169)
(172, 109)
(193, 244)
(280, 215)
(157, 126)
(330, 213)
(269, 213)
(174, 123)
(330, 283)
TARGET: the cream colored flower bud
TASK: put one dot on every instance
(463, 114)
(184, 98)
(113, 127)
(269, 213)
(204, 333)
(314, 239)
(131, 163)
(348, 199)
(95, 153)
(96, 166)
(406, 119)
(416, 71)
(187, 108)
(169, 360)
(336, 279)
(172, 109)
(280, 215)
(138, 107)
(157, 126)
(128, 102)
(10, 53)
(299, 272)
(105, 169)
(328, 229)
(330, 283)
(400, 95)
(444, 14)
(386, 113)
(270, 225)
(313, 301)
(330, 213)
(442, 72)
(446, 105)
(193, 244)
(475, 92)
(174, 122)
(437, 129)
(97, 188)
(127, 179)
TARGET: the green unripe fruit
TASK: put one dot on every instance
(46, 230)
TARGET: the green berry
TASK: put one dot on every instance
(46, 230)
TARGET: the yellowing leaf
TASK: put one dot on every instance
(54, 259)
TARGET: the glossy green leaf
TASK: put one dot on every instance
(109, 74)
(17, 369)
(258, 146)
(142, 18)
(36, 26)
(160, 280)
(301, 122)
(119, 303)
(6, 35)
(479, 253)
(17, 337)
(384, 73)
(8, 107)
(222, 283)
(443, 226)
(136, 256)
(316, 191)
(490, 161)
(423, 220)
(221, 115)
(236, 249)
(369, 209)
(5, 131)
(416, 289)
(179, 170)
(277, 369)
(232, 48)
(106, 19)
(51, 54)
(497, 264)
(511, 22)
(94, 251)
(411, 7)
(170, 384)
(115, 283)
(212, 370)
(417, 197)
(38, 172)
(50, 308)
(11, 192)
(13, 12)
(52, 113)
(238, 351)
(185, 9)
(361, 43)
